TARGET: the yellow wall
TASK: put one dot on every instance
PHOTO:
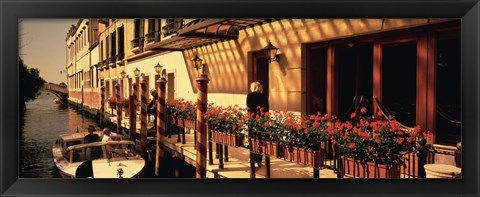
(227, 61)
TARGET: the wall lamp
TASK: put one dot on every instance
(197, 64)
(136, 72)
(158, 69)
(270, 52)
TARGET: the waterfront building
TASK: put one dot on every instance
(410, 67)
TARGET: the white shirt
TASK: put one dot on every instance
(106, 138)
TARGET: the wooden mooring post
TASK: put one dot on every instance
(161, 117)
(202, 86)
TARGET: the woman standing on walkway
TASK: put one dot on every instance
(256, 100)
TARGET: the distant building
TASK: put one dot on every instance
(412, 67)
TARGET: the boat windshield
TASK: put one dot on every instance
(99, 150)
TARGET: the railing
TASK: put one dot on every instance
(137, 42)
(120, 56)
(152, 36)
(172, 27)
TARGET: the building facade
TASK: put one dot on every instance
(407, 68)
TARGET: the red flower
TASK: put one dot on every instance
(351, 145)
(370, 149)
(352, 116)
(379, 114)
(400, 133)
(312, 117)
(400, 141)
(227, 119)
(234, 127)
(266, 124)
(305, 131)
(316, 124)
(410, 139)
(363, 110)
(240, 123)
(330, 131)
(395, 125)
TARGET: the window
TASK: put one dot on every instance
(113, 46)
(138, 33)
(448, 109)
(316, 77)
(399, 84)
(121, 42)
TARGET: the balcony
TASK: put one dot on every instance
(120, 58)
(152, 36)
(172, 27)
(137, 44)
(111, 61)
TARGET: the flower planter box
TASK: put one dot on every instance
(180, 122)
(271, 149)
(257, 146)
(369, 170)
(313, 158)
(235, 140)
(291, 153)
(226, 138)
(190, 124)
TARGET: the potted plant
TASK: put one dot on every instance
(185, 112)
(226, 124)
(375, 149)
(112, 102)
(124, 104)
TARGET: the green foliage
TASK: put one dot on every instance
(30, 82)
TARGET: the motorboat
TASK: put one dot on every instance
(112, 159)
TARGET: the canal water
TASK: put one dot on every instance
(45, 120)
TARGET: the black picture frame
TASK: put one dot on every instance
(11, 11)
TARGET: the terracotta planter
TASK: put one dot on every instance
(271, 148)
(288, 153)
(190, 124)
(313, 158)
(257, 146)
(302, 156)
(369, 170)
(180, 122)
(234, 140)
(295, 154)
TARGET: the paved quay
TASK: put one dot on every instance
(237, 165)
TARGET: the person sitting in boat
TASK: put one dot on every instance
(107, 138)
(91, 137)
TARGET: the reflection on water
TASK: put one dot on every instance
(43, 122)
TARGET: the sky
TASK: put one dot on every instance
(42, 45)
